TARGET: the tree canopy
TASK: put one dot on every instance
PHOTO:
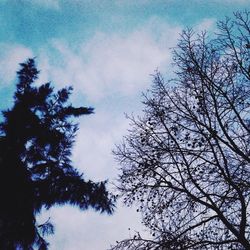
(186, 161)
(36, 139)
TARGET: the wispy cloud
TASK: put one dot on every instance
(10, 57)
(109, 64)
(110, 70)
(90, 230)
(207, 24)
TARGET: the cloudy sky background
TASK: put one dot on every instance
(107, 50)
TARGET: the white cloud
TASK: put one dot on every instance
(111, 71)
(110, 64)
(10, 57)
(90, 230)
(207, 24)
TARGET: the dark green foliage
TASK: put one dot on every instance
(37, 136)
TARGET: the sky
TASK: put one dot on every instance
(107, 50)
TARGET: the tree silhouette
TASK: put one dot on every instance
(36, 141)
(186, 161)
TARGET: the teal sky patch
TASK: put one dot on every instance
(32, 24)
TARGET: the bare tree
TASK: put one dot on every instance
(186, 161)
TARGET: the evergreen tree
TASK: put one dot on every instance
(37, 135)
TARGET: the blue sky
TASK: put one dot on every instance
(35, 22)
(107, 51)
